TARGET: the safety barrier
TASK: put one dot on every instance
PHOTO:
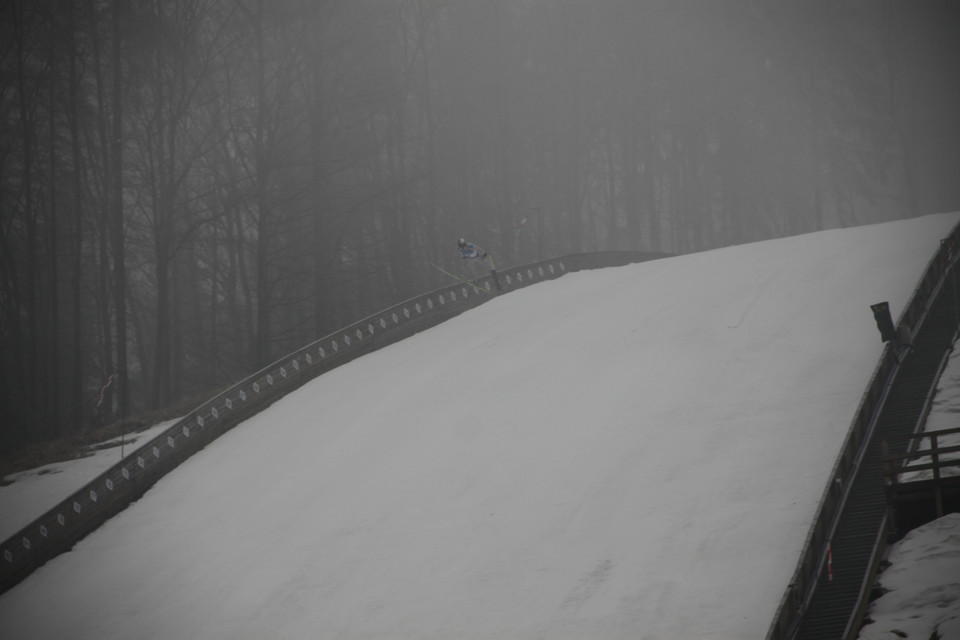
(63, 526)
(927, 470)
(816, 549)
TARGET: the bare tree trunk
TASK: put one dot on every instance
(117, 232)
(106, 215)
(52, 353)
(896, 107)
(161, 203)
(630, 181)
(264, 230)
(434, 239)
(78, 201)
(26, 338)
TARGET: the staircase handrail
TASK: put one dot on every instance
(815, 550)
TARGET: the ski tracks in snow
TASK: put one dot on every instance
(589, 584)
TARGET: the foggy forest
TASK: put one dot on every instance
(190, 189)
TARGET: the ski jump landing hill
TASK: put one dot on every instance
(61, 527)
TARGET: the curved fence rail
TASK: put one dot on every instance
(63, 526)
(814, 554)
(925, 470)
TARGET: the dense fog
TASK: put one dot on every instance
(191, 188)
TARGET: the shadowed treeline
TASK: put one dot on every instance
(189, 188)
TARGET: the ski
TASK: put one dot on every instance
(463, 280)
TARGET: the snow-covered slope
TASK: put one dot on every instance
(625, 453)
(921, 587)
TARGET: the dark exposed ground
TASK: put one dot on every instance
(30, 455)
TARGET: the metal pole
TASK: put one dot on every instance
(539, 234)
(123, 430)
(947, 245)
(951, 272)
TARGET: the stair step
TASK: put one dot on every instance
(833, 602)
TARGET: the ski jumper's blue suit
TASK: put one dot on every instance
(475, 256)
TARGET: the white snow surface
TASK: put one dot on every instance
(922, 586)
(623, 453)
(36, 491)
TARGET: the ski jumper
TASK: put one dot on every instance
(475, 256)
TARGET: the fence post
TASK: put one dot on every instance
(889, 467)
(935, 457)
